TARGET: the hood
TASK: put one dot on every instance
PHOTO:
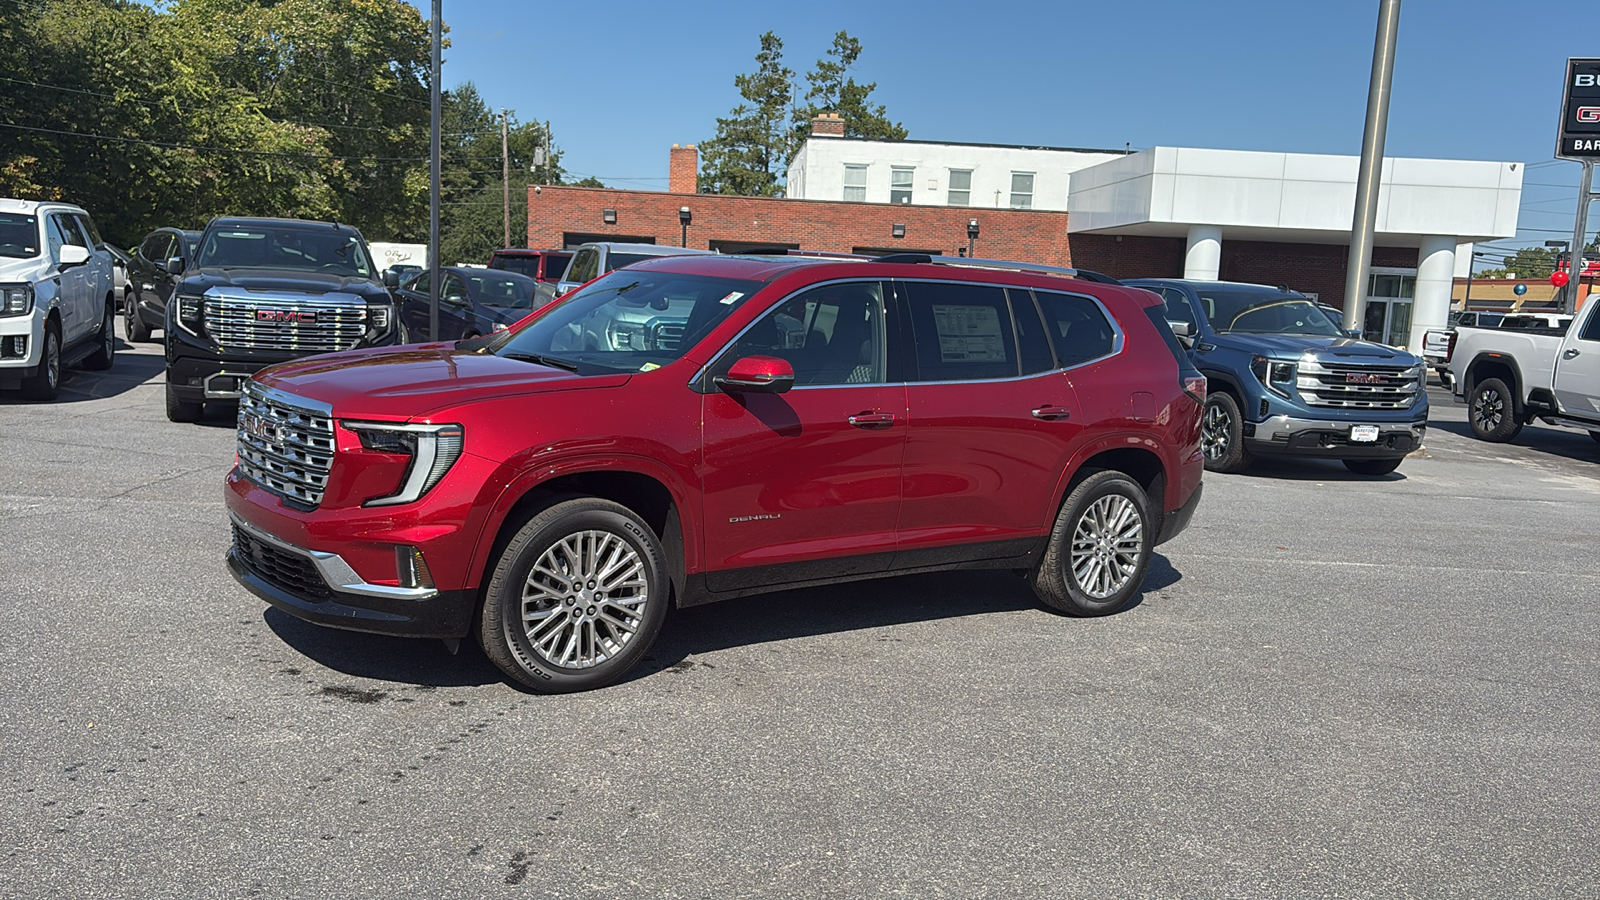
(198, 281)
(407, 382)
(1293, 346)
(26, 270)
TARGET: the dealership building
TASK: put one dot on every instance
(1263, 217)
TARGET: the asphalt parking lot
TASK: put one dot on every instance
(1333, 686)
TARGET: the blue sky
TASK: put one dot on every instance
(621, 82)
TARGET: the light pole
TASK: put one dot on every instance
(684, 218)
(1365, 220)
(433, 176)
(972, 235)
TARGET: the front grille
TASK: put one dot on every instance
(289, 571)
(284, 447)
(1356, 385)
(299, 324)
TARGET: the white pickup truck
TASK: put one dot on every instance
(1510, 377)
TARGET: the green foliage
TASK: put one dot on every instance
(1531, 262)
(750, 149)
(472, 218)
(833, 90)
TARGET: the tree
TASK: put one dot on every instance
(750, 151)
(833, 90)
(1532, 262)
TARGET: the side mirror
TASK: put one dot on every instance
(758, 375)
(73, 255)
(1353, 332)
(173, 266)
(1182, 329)
(391, 279)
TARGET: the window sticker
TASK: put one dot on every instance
(733, 297)
(969, 333)
(649, 367)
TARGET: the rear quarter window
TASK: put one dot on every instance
(1078, 328)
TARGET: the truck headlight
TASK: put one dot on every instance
(380, 319)
(1278, 377)
(190, 312)
(433, 450)
(16, 299)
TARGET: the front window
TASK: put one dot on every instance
(855, 183)
(960, 187)
(295, 249)
(900, 185)
(19, 236)
(1257, 312)
(503, 291)
(1022, 190)
(628, 321)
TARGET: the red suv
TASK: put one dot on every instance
(696, 428)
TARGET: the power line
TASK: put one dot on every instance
(173, 146)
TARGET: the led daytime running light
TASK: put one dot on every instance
(433, 450)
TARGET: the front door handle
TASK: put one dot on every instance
(1570, 353)
(871, 420)
(1052, 412)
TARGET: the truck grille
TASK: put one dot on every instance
(667, 334)
(285, 444)
(301, 324)
(1356, 386)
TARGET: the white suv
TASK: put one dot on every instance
(57, 297)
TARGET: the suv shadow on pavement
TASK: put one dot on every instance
(758, 619)
(1308, 469)
(128, 371)
(1536, 437)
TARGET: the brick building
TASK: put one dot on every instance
(1271, 218)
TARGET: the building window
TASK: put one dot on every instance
(1022, 190)
(900, 185)
(855, 182)
(960, 187)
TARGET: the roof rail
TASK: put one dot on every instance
(968, 262)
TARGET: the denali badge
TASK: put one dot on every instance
(1363, 378)
(258, 427)
(285, 315)
(755, 518)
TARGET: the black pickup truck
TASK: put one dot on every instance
(263, 291)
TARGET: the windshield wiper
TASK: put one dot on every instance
(550, 361)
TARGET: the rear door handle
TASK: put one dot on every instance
(1570, 353)
(871, 420)
(1052, 412)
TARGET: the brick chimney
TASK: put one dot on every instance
(683, 172)
(827, 125)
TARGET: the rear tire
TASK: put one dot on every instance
(45, 383)
(138, 331)
(1099, 549)
(180, 410)
(1373, 466)
(1222, 435)
(576, 599)
(1492, 411)
(105, 352)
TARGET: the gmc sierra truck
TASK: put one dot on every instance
(1511, 377)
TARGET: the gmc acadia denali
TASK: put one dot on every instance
(695, 428)
(262, 291)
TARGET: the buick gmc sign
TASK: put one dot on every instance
(1580, 111)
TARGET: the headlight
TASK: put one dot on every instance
(380, 318)
(433, 450)
(1277, 376)
(16, 299)
(626, 336)
(190, 312)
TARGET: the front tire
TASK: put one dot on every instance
(1492, 411)
(180, 410)
(105, 351)
(576, 598)
(1222, 435)
(1373, 466)
(1099, 549)
(138, 331)
(45, 383)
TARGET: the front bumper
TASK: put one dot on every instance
(1331, 438)
(21, 340)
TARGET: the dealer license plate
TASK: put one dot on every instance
(1364, 434)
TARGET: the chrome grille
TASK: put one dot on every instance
(667, 334)
(285, 444)
(274, 322)
(1356, 385)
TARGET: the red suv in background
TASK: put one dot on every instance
(695, 428)
(540, 265)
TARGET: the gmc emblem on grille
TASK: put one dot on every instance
(259, 427)
(1363, 378)
(285, 315)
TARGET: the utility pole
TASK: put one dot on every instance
(505, 174)
(433, 177)
(1365, 220)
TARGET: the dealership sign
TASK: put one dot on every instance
(1580, 111)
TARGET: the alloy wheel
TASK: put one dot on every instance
(1215, 430)
(1106, 544)
(1488, 410)
(52, 359)
(584, 600)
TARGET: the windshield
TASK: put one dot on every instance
(19, 236)
(522, 265)
(509, 291)
(1257, 312)
(618, 260)
(298, 249)
(628, 321)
